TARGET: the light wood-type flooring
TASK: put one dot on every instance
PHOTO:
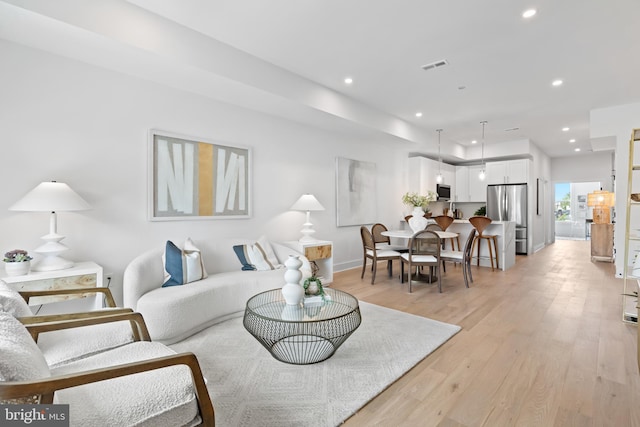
(542, 344)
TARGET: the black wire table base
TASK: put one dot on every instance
(304, 334)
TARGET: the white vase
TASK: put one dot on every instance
(292, 291)
(17, 268)
(417, 221)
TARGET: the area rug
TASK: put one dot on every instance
(248, 387)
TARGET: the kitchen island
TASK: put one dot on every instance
(506, 232)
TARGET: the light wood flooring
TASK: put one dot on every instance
(542, 344)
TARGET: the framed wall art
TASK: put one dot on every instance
(191, 178)
(356, 192)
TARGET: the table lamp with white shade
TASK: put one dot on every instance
(308, 203)
(51, 197)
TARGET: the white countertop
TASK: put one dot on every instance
(466, 221)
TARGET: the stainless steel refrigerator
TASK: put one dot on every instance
(508, 202)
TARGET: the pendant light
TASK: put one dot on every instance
(439, 177)
(482, 174)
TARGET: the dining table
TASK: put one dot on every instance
(406, 235)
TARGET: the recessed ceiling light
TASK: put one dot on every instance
(576, 149)
(557, 82)
(572, 140)
(418, 114)
(528, 13)
(348, 80)
(565, 129)
(474, 142)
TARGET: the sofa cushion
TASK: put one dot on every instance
(269, 253)
(182, 266)
(163, 397)
(11, 302)
(253, 257)
(20, 357)
(87, 340)
(243, 257)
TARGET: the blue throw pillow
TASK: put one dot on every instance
(243, 256)
(173, 265)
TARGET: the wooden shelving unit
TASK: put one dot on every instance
(632, 234)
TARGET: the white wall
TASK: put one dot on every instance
(584, 168)
(71, 122)
(541, 216)
(618, 122)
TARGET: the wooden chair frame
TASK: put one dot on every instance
(370, 252)
(480, 223)
(444, 221)
(464, 257)
(108, 299)
(424, 242)
(45, 388)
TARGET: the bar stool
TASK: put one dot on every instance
(480, 223)
(444, 222)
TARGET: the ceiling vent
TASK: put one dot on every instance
(434, 65)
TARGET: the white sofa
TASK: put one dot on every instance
(176, 312)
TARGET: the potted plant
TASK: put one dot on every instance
(17, 262)
(313, 286)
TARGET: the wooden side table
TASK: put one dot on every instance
(602, 242)
(320, 252)
(81, 275)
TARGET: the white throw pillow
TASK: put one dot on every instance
(20, 357)
(11, 302)
(269, 254)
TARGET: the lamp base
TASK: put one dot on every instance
(50, 251)
(52, 263)
(601, 215)
(307, 231)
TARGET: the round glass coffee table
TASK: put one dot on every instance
(300, 334)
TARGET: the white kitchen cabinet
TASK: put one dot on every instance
(423, 172)
(477, 188)
(508, 172)
(469, 188)
(462, 184)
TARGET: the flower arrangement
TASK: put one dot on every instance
(416, 200)
(17, 255)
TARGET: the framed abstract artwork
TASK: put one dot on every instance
(191, 178)
(356, 192)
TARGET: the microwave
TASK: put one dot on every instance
(443, 192)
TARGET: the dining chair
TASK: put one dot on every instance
(384, 242)
(370, 252)
(444, 221)
(463, 257)
(426, 215)
(424, 251)
(434, 227)
(480, 223)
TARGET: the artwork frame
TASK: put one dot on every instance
(193, 178)
(356, 195)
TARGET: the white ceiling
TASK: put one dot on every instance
(300, 51)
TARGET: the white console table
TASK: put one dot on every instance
(81, 275)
